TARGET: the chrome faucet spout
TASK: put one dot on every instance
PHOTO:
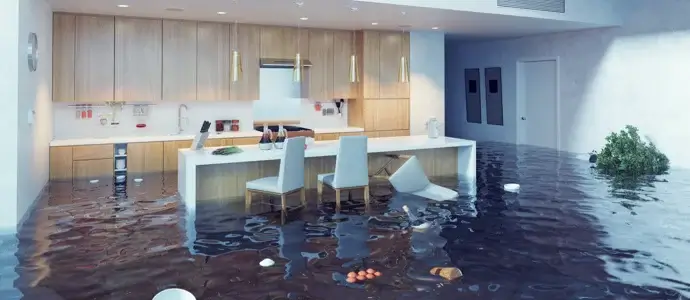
(179, 117)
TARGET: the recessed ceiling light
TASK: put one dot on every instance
(434, 28)
(374, 23)
(354, 8)
(122, 5)
(304, 18)
(222, 13)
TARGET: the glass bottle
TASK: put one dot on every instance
(280, 137)
(265, 142)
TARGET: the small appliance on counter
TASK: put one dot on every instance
(227, 125)
(433, 127)
(201, 137)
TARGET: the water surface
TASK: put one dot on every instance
(568, 235)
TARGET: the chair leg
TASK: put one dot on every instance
(247, 200)
(319, 190)
(337, 198)
(366, 195)
(303, 196)
(283, 202)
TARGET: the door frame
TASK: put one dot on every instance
(520, 97)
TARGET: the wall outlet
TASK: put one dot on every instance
(328, 111)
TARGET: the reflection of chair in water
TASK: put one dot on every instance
(410, 178)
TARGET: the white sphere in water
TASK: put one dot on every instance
(174, 294)
(511, 187)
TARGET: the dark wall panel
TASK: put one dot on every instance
(494, 96)
(473, 97)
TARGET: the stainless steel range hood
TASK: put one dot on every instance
(281, 63)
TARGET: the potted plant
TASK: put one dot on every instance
(626, 154)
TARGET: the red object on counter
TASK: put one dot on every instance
(141, 125)
(83, 114)
(89, 114)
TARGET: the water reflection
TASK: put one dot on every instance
(567, 235)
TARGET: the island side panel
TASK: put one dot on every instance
(226, 182)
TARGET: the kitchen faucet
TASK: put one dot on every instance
(179, 118)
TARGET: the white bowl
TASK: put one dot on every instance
(174, 294)
(511, 187)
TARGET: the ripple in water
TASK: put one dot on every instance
(568, 234)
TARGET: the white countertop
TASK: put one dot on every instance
(182, 137)
(252, 153)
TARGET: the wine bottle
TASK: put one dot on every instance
(416, 222)
(280, 137)
(265, 142)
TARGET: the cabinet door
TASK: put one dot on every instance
(320, 74)
(284, 42)
(61, 163)
(64, 35)
(389, 64)
(392, 133)
(370, 67)
(213, 62)
(94, 66)
(210, 143)
(343, 49)
(170, 151)
(179, 60)
(138, 59)
(92, 152)
(245, 141)
(249, 45)
(93, 169)
(145, 157)
(327, 137)
(386, 114)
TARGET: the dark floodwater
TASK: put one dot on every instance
(567, 235)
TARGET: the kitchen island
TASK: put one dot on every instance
(206, 177)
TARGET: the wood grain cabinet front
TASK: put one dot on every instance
(170, 152)
(144, 158)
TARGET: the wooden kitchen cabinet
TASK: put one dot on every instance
(170, 151)
(144, 158)
(92, 169)
(138, 59)
(94, 65)
(249, 45)
(215, 143)
(320, 74)
(391, 43)
(179, 60)
(90, 152)
(326, 137)
(369, 72)
(284, 42)
(343, 49)
(64, 41)
(245, 141)
(213, 61)
(60, 163)
(391, 133)
(386, 114)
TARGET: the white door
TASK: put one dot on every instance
(537, 109)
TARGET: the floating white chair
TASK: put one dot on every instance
(174, 294)
(410, 178)
(290, 177)
(351, 169)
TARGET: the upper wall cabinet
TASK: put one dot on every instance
(138, 59)
(284, 42)
(94, 65)
(213, 61)
(249, 46)
(369, 70)
(179, 60)
(64, 35)
(320, 74)
(381, 53)
(343, 49)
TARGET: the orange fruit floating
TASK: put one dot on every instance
(351, 280)
(370, 271)
(362, 273)
(361, 277)
(377, 273)
(370, 276)
(351, 275)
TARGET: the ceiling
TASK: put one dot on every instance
(336, 14)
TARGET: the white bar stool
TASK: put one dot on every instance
(290, 178)
(351, 169)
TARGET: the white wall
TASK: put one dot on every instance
(9, 83)
(35, 94)
(636, 74)
(427, 79)
(586, 11)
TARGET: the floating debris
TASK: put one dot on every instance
(511, 187)
(449, 273)
(174, 294)
(266, 262)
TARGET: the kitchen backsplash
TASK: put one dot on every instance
(162, 117)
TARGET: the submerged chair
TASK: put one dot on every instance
(351, 169)
(410, 178)
(290, 178)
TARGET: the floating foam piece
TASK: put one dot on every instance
(410, 178)
(267, 262)
(174, 294)
(137, 180)
(511, 187)
(94, 181)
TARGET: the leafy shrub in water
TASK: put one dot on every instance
(625, 153)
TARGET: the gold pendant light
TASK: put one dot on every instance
(236, 74)
(404, 71)
(354, 72)
(297, 71)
